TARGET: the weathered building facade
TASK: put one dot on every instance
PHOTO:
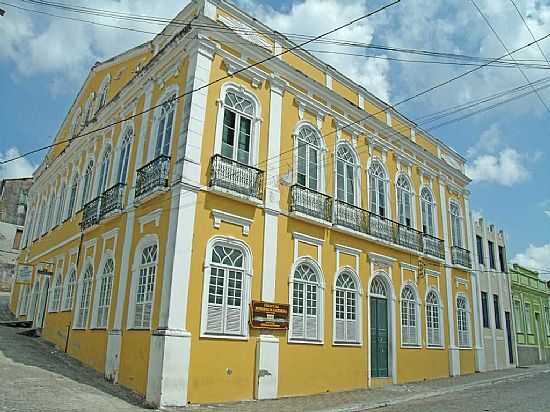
(285, 183)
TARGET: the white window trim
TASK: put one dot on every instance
(441, 319)
(107, 254)
(107, 146)
(520, 321)
(418, 305)
(51, 306)
(322, 155)
(413, 198)
(80, 283)
(246, 298)
(359, 307)
(468, 320)
(255, 124)
(356, 171)
(386, 181)
(145, 241)
(64, 308)
(528, 319)
(321, 307)
(81, 202)
(461, 222)
(117, 159)
(434, 211)
(171, 90)
(34, 298)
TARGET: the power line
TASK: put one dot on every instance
(530, 31)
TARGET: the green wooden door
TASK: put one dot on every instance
(379, 337)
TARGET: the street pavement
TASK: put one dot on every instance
(35, 377)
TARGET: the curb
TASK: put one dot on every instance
(359, 407)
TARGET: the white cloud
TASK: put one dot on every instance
(18, 168)
(535, 257)
(547, 213)
(489, 141)
(506, 168)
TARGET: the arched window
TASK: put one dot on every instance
(75, 123)
(87, 185)
(345, 174)
(60, 205)
(226, 296)
(377, 189)
(24, 302)
(69, 288)
(428, 207)
(346, 309)
(104, 171)
(72, 196)
(404, 201)
(409, 316)
(165, 123)
(378, 288)
(463, 321)
(34, 300)
(102, 98)
(239, 112)
(88, 108)
(309, 158)
(51, 210)
(57, 291)
(433, 320)
(41, 224)
(104, 291)
(145, 288)
(124, 157)
(85, 294)
(456, 224)
(306, 304)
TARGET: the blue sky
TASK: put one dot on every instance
(43, 61)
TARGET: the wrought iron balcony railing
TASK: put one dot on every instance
(351, 217)
(408, 237)
(310, 202)
(434, 246)
(236, 177)
(111, 200)
(152, 176)
(461, 256)
(90, 213)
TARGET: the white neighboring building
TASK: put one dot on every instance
(495, 338)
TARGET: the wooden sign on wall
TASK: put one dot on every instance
(267, 315)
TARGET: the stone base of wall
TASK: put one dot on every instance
(529, 355)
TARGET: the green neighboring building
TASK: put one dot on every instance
(531, 300)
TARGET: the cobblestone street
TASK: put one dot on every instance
(36, 377)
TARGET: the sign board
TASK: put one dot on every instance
(24, 274)
(267, 315)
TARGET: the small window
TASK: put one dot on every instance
(502, 259)
(404, 201)
(60, 205)
(345, 174)
(104, 171)
(491, 246)
(346, 310)
(428, 207)
(88, 179)
(72, 196)
(306, 304)
(237, 127)
(377, 189)
(308, 158)
(496, 304)
(485, 310)
(124, 157)
(68, 295)
(463, 321)
(479, 245)
(145, 291)
(84, 298)
(165, 123)
(433, 319)
(409, 317)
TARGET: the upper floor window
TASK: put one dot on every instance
(346, 309)
(75, 125)
(165, 123)
(306, 295)
(103, 93)
(433, 319)
(226, 302)
(72, 196)
(491, 247)
(84, 297)
(502, 258)
(124, 156)
(145, 287)
(485, 309)
(69, 288)
(104, 171)
(496, 304)
(51, 212)
(88, 108)
(87, 185)
(456, 224)
(239, 112)
(528, 321)
(308, 158)
(409, 316)
(404, 201)
(41, 220)
(60, 205)
(463, 321)
(427, 207)
(518, 316)
(377, 189)
(479, 246)
(345, 174)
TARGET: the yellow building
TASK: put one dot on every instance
(151, 233)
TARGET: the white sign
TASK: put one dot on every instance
(24, 274)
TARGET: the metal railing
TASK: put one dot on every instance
(434, 246)
(409, 237)
(461, 256)
(111, 200)
(351, 217)
(152, 176)
(235, 176)
(310, 202)
(90, 213)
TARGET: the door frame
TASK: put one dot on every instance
(538, 333)
(509, 337)
(392, 348)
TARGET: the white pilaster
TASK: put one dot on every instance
(114, 338)
(170, 349)
(267, 345)
(454, 354)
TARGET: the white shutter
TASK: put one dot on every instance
(233, 320)
(297, 325)
(147, 311)
(340, 330)
(351, 331)
(311, 326)
(138, 317)
(214, 318)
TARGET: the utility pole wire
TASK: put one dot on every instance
(505, 48)
(530, 31)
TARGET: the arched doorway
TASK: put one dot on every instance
(379, 328)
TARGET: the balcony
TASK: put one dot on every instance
(310, 203)
(461, 257)
(111, 200)
(351, 217)
(90, 213)
(235, 177)
(153, 176)
(434, 246)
